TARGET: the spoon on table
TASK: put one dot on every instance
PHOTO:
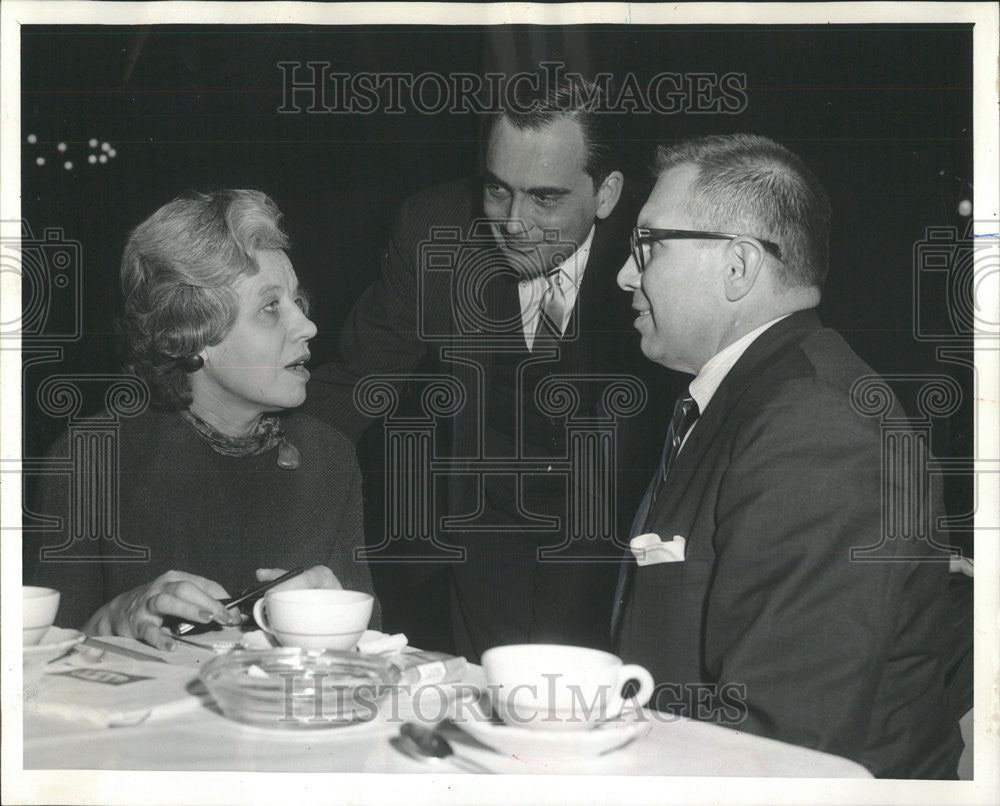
(425, 744)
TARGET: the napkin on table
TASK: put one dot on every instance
(111, 691)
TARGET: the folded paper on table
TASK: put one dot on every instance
(418, 667)
(373, 642)
(650, 549)
(111, 691)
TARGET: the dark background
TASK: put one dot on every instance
(882, 113)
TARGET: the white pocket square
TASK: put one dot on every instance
(650, 549)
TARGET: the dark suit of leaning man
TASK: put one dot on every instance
(554, 238)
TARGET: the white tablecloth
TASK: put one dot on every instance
(198, 737)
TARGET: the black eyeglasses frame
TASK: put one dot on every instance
(642, 235)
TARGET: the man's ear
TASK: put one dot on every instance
(746, 258)
(609, 193)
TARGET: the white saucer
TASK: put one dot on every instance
(525, 744)
(54, 642)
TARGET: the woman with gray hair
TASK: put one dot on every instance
(216, 486)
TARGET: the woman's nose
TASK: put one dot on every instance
(304, 328)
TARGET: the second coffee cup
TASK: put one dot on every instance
(315, 618)
(556, 687)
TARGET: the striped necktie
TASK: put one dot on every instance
(685, 414)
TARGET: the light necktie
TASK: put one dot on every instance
(685, 414)
(552, 308)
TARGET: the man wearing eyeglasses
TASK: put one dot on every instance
(741, 594)
(503, 284)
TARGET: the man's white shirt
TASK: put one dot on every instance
(711, 376)
(532, 291)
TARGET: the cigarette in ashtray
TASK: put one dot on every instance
(428, 667)
(255, 639)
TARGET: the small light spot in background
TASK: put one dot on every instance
(965, 208)
(92, 142)
(39, 160)
(102, 158)
(68, 165)
(61, 147)
(32, 138)
(92, 159)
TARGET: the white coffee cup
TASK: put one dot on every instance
(557, 687)
(40, 607)
(315, 618)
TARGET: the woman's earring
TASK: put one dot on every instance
(192, 363)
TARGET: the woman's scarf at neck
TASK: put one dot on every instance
(267, 434)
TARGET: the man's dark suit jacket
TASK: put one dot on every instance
(778, 480)
(407, 317)
(438, 291)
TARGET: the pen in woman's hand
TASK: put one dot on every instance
(251, 593)
(257, 590)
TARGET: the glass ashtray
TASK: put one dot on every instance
(292, 688)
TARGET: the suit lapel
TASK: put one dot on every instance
(785, 334)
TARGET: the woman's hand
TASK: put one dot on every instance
(139, 613)
(319, 576)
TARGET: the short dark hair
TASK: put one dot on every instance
(750, 184)
(536, 104)
(177, 274)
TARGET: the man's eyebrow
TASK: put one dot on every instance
(543, 190)
(549, 191)
(489, 176)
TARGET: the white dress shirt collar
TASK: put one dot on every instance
(706, 382)
(531, 291)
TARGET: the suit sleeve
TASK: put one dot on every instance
(380, 335)
(805, 631)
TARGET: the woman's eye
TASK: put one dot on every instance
(271, 307)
